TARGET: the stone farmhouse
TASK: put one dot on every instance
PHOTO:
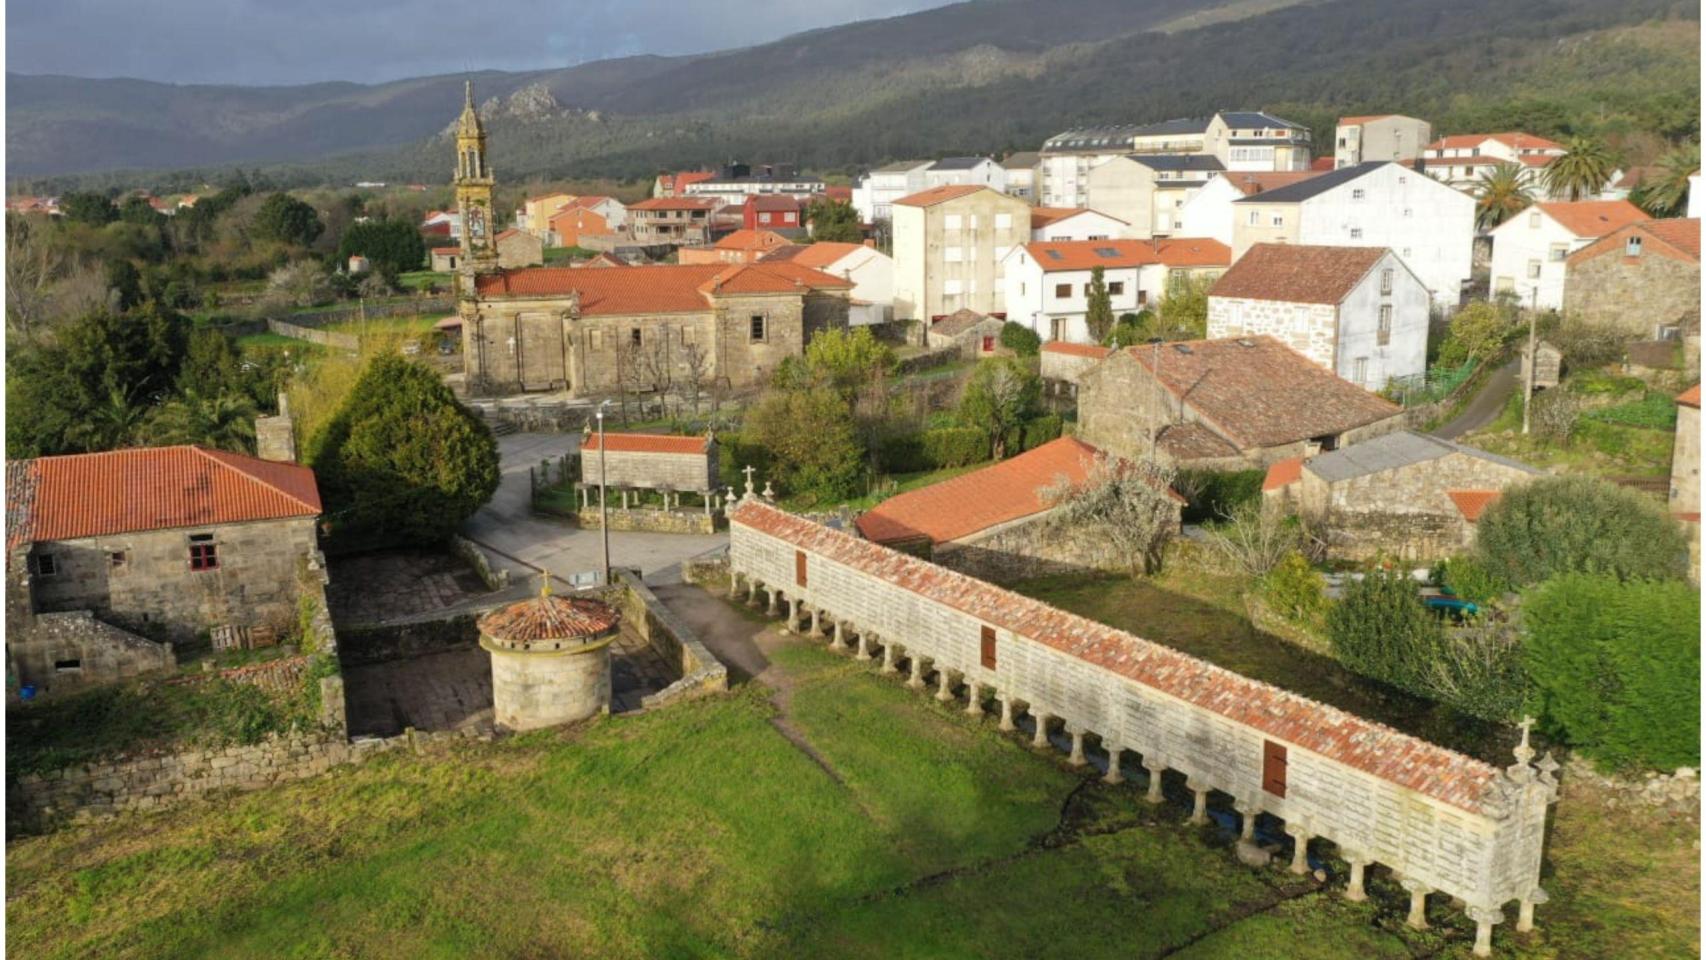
(948, 246)
(578, 330)
(1441, 822)
(1374, 204)
(974, 335)
(171, 542)
(1385, 136)
(1642, 279)
(1048, 283)
(1531, 250)
(1234, 404)
(518, 248)
(994, 523)
(1357, 311)
(1405, 494)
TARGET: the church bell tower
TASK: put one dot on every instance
(474, 191)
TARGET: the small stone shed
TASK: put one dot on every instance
(550, 660)
(975, 334)
(1404, 494)
(650, 461)
(1548, 364)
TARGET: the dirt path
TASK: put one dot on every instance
(1486, 405)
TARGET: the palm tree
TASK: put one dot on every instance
(1582, 170)
(1665, 193)
(225, 422)
(108, 426)
(1503, 193)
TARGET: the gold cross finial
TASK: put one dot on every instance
(544, 582)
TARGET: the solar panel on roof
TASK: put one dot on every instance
(1107, 252)
(1053, 254)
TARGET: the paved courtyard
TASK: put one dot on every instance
(399, 584)
(517, 540)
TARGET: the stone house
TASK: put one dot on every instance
(1531, 251)
(590, 332)
(1403, 494)
(993, 523)
(948, 245)
(675, 221)
(164, 541)
(518, 248)
(1640, 279)
(1357, 311)
(1066, 363)
(974, 334)
(1234, 404)
(741, 246)
(444, 259)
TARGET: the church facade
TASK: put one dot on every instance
(655, 327)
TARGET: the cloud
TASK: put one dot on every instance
(368, 41)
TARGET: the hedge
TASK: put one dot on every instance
(1616, 667)
(1578, 524)
(1212, 495)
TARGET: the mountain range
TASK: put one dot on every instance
(980, 76)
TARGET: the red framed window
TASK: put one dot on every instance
(204, 553)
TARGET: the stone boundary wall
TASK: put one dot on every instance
(652, 521)
(398, 641)
(325, 338)
(372, 311)
(106, 653)
(1441, 821)
(95, 790)
(701, 672)
(533, 416)
(476, 559)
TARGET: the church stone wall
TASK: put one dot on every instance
(1485, 852)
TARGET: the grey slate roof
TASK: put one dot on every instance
(1180, 125)
(1093, 138)
(1394, 450)
(901, 166)
(1021, 160)
(1256, 120)
(957, 163)
(1175, 161)
(1314, 186)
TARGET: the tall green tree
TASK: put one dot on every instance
(1502, 193)
(1099, 311)
(810, 439)
(222, 421)
(391, 246)
(1001, 395)
(125, 283)
(1665, 193)
(1578, 524)
(834, 221)
(284, 219)
(1183, 313)
(1581, 171)
(139, 211)
(402, 461)
(88, 207)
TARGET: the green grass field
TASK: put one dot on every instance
(890, 826)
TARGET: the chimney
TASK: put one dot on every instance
(275, 437)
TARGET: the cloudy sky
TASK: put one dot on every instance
(302, 41)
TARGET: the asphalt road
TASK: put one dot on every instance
(1486, 405)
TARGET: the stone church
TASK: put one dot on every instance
(648, 327)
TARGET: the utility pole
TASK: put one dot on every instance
(1161, 412)
(603, 512)
(1528, 373)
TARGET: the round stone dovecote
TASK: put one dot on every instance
(550, 660)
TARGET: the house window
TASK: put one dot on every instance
(1356, 233)
(1255, 217)
(1386, 280)
(1279, 220)
(988, 651)
(1357, 194)
(1383, 334)
(952, 255)
(951, 221)
(988, 343)
(1062, 291)
(1117, 288)
(1557, 252)
(118, 561)
(1632, 247)
(1359, 370)
(46, 564)
(1057, 328)
(764, 218)
(1003, 221)
(1273, 768)
(1534, 269)
(68, 666)
(634, 336)
(204, 553)
(756, 332)
(1142, 297)
(1534, 220)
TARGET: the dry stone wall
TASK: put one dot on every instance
(1443, 821)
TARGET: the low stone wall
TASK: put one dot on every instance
(375, 644)
(652, 521)
(534, 416)
(1677, 792)
(479, 563)
(1032, 548)
(701, 673)
(325, 338)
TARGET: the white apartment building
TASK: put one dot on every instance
(875, 193)
(966, 171)
(1462, 160)
(1149, 191)
(1209, 212)
(1048, 283)
(1238, 139)
(1385, 136)
(1374, 204)
(1530, 248)
(1357, 311)
(1021, 171)
(948, 248)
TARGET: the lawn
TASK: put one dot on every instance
(406, 325)
(883, 488)
(1625, 430)
(908, 830)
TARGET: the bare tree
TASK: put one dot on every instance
(630, 374)
(654, 364)
(1555, 415)
(1254, 540)
(695, 365)
(1128, 504)
(32, 265)
(83, 291)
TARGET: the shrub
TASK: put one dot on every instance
(402, 460)
(1470, 579)
(1578, 524)
(1214, 494)
(1587, 345)
(952, 447)
(1477, 332)
(1255, 541)
(1381, 629)
(1616, 667)
(1655, 411)
(1020, 339)
(1555, 414)
(1040, 430)
(1294, 590)
(1477, 668)
(1001, 395)
(813, 447)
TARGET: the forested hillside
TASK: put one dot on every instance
(836, 101)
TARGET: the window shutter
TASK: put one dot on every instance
(799, 568)
(1273, 768)
(989, 648)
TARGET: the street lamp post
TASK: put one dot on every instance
(1528, 356)
(603, 512)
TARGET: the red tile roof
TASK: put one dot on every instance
(647, 443)
(1472, 503)
(1297, 273)
(744, 239)
(1375, 749)
(1321, 164)
(446, 251)
(1053, 255)
(1677, 238)
(1257, 392)
(150, 488)
(964, 505)
(1186, 442)
(549, 618)
(823, 253)
(1077, 349)
(1593, 218)
(654, 288)
(1514, 140)
(675, 203)
(1284, 472)
(592, 200)
(935, 195)
(1690, 397)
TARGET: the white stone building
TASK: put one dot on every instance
(1149, 191)
(1357, 311)
(1063, 223)
(1384, 136)
(948, 247)
(1048, 284)
(1209, 211)
(966, 171)
(1530, 249)
(1376, 204)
